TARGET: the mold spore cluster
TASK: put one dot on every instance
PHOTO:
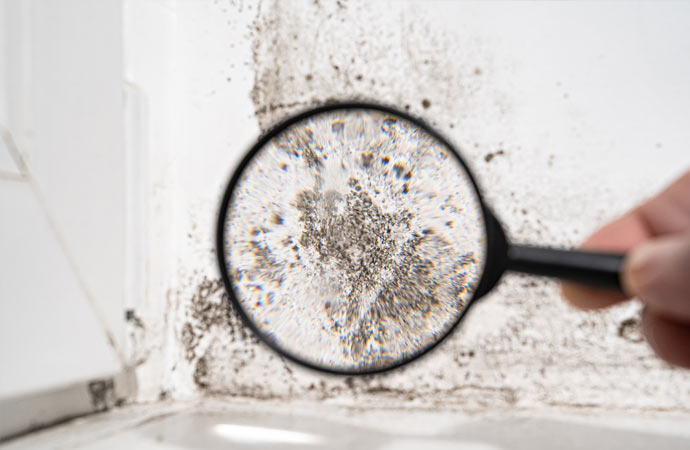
(354, 239)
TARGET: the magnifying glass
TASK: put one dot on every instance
(353, 238)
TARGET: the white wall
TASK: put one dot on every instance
(62, 199)
(587, 102)
(111, 174)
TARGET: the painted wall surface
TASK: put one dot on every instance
(569, 114)
(62, 199)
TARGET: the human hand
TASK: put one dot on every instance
(656, 236)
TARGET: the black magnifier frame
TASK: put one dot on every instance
(597, 269)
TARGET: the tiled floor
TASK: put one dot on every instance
(214, 424)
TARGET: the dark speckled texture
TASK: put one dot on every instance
(522, 347)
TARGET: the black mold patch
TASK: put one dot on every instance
(490, 156)
(358, 242)
(209, 312)
(201, 373)
(102, 394)
(306, 56)
(631, 330)
(517, 362)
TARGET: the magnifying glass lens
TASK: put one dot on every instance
(353, 240)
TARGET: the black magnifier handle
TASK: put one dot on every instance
(592, 268)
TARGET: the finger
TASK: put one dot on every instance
(668, 212)
(618, 236)
(669, 339)
(585, 297)
(658, 272)
(622, 234)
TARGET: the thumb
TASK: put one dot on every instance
(658, 272)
